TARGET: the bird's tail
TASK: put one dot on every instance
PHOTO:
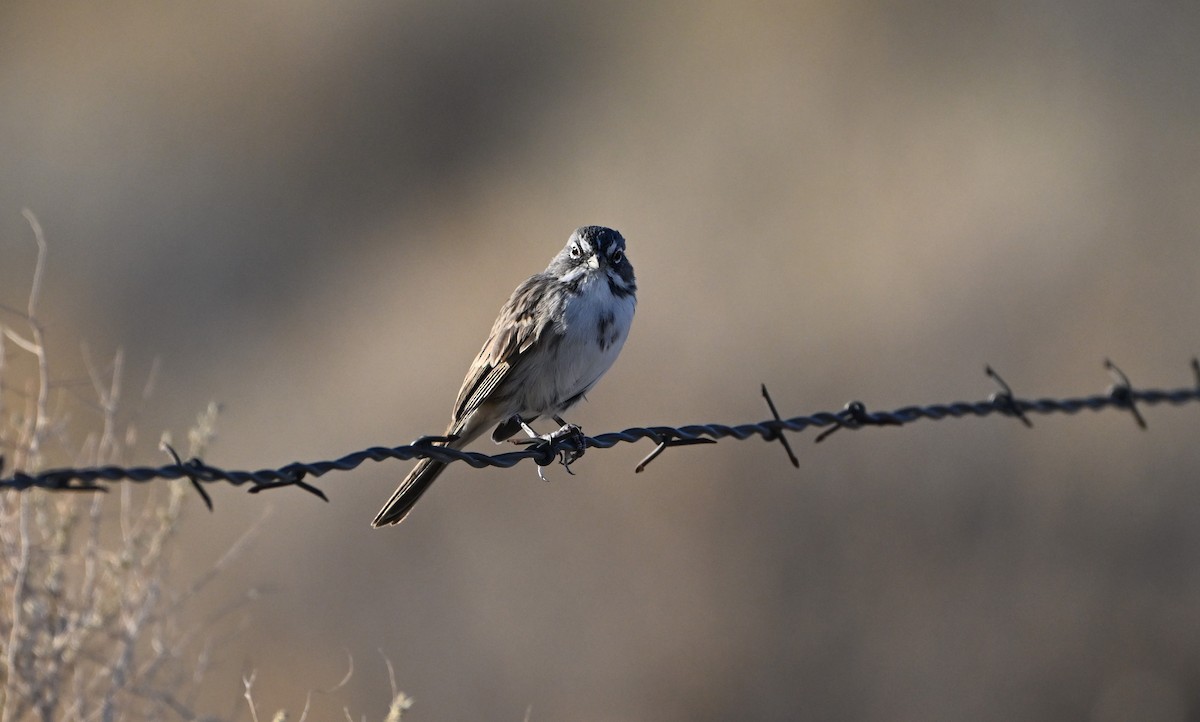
(426, 471)
(410, 490)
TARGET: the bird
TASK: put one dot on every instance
(557, 334)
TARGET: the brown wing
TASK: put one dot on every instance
(516, 329)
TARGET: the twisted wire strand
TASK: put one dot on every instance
(566, 448)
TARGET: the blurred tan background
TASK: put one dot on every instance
(312, 211)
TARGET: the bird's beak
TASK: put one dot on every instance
(594, 261)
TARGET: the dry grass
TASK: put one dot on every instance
(89, 610)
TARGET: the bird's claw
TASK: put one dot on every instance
(566, 456)
(569, 456)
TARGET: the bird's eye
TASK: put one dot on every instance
(574, 251)
(617, 256)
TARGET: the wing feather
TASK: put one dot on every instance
(515, 331)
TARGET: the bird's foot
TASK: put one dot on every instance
(567, 455)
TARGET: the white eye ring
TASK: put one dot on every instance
(617, 255)
(575, 252)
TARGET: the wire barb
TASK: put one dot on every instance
(190, 475)
(567, 447)
(665, 441)
(782, 439)
(1122, 392)
(1003, 399)
(854, 415)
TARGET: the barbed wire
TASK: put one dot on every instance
(568, 445)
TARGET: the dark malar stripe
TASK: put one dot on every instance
(619, 291)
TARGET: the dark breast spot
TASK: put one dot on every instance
(604, 322)
(603, 325)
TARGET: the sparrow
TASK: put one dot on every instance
(557, 334)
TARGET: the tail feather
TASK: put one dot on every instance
(411, 489)
(460, 433)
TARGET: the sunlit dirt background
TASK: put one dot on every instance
(312, 211)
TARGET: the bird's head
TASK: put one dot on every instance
(594, 251)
